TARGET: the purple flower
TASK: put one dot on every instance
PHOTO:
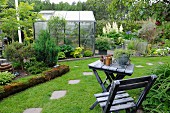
(128, 32)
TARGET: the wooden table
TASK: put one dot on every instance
(112, 72)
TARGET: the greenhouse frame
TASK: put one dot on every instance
(79, 30)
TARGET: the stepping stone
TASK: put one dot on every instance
(73, 81)
(139, 66)
(76, 66)
(160, 63)
(87, 73)
(58, 94)
(33, 110)
(150, 64)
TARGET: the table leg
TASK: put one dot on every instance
(99, 80)
(119, 76)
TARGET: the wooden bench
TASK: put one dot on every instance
(117, 99)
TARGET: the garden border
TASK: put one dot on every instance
(48, 75)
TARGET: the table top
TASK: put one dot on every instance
(114, 68)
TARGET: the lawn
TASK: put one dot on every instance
(79, 96)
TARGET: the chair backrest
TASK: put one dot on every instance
(128, 84)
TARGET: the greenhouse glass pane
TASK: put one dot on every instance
(38, 26)
(72, 34)
(61, 14)
(72, 16)
(47, 14)
(87, 35)
(87, 16)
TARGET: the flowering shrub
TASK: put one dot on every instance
(114, 32)
(148, 32)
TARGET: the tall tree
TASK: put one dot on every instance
(10, 23)
(99, 8)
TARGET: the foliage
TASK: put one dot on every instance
(67, 49)
(158, 98)
(61, 55)
(99, 8)
(99, 26)
(148, 32)
(17, 52)
(88, 53)
(46, 49)
(6, 77)
(77, 53)
(35, 67)
(26, 19)
(136, 10)
(102, 43)
(56, 26)
(167, 43)
(119, 52)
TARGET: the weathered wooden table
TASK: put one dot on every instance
(112, 72)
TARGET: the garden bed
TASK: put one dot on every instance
(15, 87)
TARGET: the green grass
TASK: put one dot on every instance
(79, 97)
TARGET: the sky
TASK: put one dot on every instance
(69, 1)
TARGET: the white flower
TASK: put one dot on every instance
(104, 30)
(121, 28)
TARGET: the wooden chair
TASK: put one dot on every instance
(117, 99)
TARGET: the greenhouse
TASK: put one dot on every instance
(79, 30)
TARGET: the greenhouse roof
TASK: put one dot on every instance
(70, 15)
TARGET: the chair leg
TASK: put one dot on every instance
(92, 107)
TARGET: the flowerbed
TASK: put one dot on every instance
(16, 87)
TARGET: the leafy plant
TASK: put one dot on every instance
(102, 43)
(77, 53)
(119, 52)
(61, 55)
(35, 67)
(46, 49)
(88, 53)
(17, 52)
(67, 49)
(6, 77)
(158, 99)
(148, 32)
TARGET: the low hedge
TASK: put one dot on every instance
(16, 87)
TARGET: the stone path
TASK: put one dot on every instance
(73, 81)
(160, 63)
(150, 64)
(87, 73)
(33, 110)
(58, 94)
(139, 66)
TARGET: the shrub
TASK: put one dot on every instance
(17, 52)
(158, 99)
(67, 49)
(35, 67)
(88, 53)
(148, 32)
(6, 77)
(77, 53)
(46, 49)
(61, 55)
(102, 43)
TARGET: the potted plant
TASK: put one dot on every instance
(102, 44)
(122, 56)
